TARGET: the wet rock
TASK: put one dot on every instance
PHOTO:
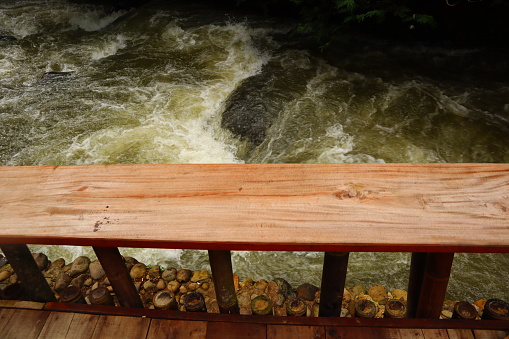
(5, 275)
(130, 262)
(96, 270)
(200, 275)
(50, 77)
(14, 278)
(307, 292)
(52, 273)
(66, 268)
(285, 288)
(184, 276)
(246, 283)
(169, 274)
(7, 38)
(161, 285)
(79, 281)
(138, 271)
(347, 297)
(378, 293)
(59, 263)
(79, 265)
(63, 280)
(244, 300)
(149, 286)
(3, 261)
(261, 284)
(41, 260)
(88, 282)
(399, 294)
(137, 285)
(315, 310)
(7, 268)
(183, 289)
(259, 100)
(358, 290)
(154, 272)
(173, 286)
(204, 286)
(106, 281)
(193, 287)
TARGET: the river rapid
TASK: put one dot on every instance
(182, 83)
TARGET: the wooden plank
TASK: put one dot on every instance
(56, 326)
(403, 333)
(491, 334)
(25, 324)
(297, 332)
(354, 332)
(435, 333)
(5, 316)
(404, 207)
(226, 330)
(460, 334)
(82, 326)
(22, 304)
(121, 327)
(162, 328)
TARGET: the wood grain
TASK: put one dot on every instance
(121, 327)
(56, 326)
(491, 334)
(82, 326)
(163, 328)
(362, 207)
(227, 330)
(25, 324)
(460, 334)
(296, 332)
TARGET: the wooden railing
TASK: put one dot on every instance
(431, 210)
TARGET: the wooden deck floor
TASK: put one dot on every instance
(31, 323)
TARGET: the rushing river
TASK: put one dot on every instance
(185, 84)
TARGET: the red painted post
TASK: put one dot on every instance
(34, 284)
(222, 274)
(333, 283)
(417, 267)
(119, 277)
(434, 284)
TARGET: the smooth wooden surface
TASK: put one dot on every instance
(322, 207)
(39, 324)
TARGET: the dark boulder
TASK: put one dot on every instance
(258, 101)
(7, 38)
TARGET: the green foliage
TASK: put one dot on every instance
(327, 18)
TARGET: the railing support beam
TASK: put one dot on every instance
(222, 274)
(333, 283)
(119, 277)
(417, 268)
(34, 284)
(434, 284)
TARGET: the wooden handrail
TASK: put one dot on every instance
(319, 207)
(436, 209)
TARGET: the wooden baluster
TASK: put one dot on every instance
(34, 284)
(434, 284)
(417, 268)
(333, 283)
(119, 277)
(222, 274)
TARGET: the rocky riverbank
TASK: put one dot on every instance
(151, 280)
